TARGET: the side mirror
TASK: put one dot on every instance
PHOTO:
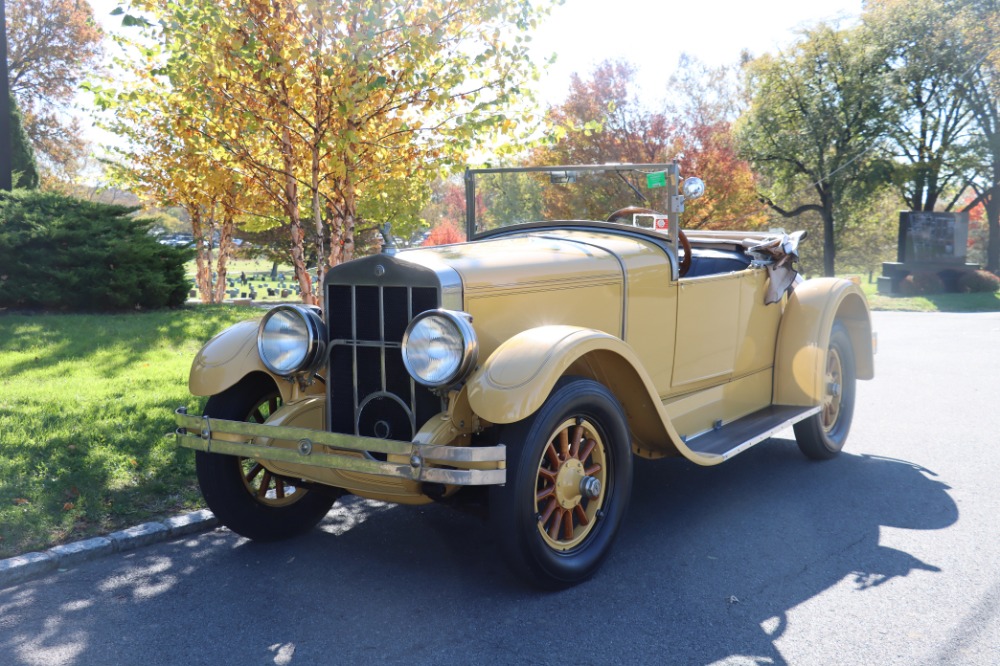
(693, 188)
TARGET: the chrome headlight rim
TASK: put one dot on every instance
(461, 323)
(314, 342)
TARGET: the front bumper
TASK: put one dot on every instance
(430, 463)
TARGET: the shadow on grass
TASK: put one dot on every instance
(85, 415)
(112, 341)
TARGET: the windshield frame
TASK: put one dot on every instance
(675, 204)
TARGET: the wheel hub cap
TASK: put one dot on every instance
(568, 483)
(571, 487)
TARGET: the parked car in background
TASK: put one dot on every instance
(527, 368)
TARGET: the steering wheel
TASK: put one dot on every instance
(628, 211)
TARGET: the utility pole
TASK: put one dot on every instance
(6, 140)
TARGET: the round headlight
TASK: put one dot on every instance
(291, 339)
(440, 348)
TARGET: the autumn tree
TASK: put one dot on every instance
(705, 103)
(323, 106)
(52, 46)
(816, 116)
(603, 120)
(444, 232)
(169, 165)
(507, 198)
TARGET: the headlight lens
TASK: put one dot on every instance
(440, 348)
(291, 340)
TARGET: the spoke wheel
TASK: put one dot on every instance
(267, 488)
(569, 476)
(823, 435)
(572, 477)
(245, 496)
(834, 383)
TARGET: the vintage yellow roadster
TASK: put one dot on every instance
(526, 368)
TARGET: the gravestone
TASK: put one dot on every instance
(928, 242)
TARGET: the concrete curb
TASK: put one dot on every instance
(23, 567)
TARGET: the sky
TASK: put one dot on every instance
(653, 34)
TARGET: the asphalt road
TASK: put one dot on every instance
(887, 555)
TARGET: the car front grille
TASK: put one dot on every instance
(369, 391)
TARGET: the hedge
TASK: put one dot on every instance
(67, 254)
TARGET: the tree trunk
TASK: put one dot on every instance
(225, 249)
(317, 215)
(203, 270)
(350, 208)
(829, 243)
(294, 221)
(993, 224)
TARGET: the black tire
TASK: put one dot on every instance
(244, 496)
(551, 532)
(823, 435)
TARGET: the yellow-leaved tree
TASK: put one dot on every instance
(320, 107)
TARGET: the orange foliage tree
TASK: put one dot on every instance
(51, 46)
(603, 120)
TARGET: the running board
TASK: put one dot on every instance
(738, 436)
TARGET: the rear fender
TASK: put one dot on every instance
(804, 336)
(517, 378)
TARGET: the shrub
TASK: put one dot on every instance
(61, 253)
(921, 284)
(978, 281)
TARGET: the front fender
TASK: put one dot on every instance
(804, 335)
(229, 357)
(517, 378)
(520, 374)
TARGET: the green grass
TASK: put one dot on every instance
(86, 405)
(932, 303)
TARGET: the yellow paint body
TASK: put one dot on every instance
(682, 356)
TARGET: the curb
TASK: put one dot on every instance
(23, 567)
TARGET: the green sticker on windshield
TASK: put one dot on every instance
(657, 179)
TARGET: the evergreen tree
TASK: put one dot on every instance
(25, 170)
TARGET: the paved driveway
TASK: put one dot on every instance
(886, 555)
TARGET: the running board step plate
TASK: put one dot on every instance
(743, 433)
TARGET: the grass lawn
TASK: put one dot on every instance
(86, 404)
(932, 303)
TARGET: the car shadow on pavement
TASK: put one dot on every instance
(706, 569)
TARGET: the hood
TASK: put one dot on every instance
(525, 261)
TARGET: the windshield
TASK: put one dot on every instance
(505, 197)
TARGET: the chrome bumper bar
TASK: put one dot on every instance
(199, 433)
